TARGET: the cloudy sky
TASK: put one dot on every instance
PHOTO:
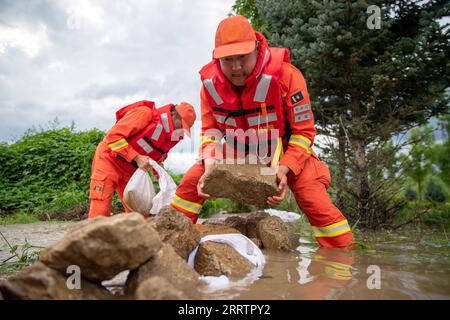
(82, 60)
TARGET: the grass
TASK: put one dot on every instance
(21, 256)
(19, 217)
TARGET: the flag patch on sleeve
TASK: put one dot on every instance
(296, 97)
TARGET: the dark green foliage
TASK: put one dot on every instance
(434, 191)
(47, 170)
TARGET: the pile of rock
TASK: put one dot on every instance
(155, 251)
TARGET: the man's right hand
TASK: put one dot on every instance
(142, 161)
(210, 164)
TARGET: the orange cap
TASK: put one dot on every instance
(187, 114)
(234, 35)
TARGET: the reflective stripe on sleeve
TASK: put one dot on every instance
(119, 144)
(301, 141)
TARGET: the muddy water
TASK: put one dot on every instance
(411, 264)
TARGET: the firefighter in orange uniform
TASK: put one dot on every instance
(250, 86)
(142, 131)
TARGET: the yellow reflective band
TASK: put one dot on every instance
(278, 153)
(332, 230)
(208, 139)
(334, 264)
(186, 205)
(338, 274)
(119, 144)
(301, 141)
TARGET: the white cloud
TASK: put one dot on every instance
(82, 60)
(29, 41)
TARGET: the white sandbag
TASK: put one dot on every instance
(167, 188)
(139, 192)
(243, 245)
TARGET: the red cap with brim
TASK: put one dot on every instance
(187, 114)
(234, 49)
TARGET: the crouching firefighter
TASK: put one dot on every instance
(141, 132)
(249, 86)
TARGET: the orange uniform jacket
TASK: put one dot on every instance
(294, 93)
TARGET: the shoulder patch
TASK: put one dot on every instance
(297, 97)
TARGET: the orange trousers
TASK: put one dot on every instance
(330, 227)
(107, 178)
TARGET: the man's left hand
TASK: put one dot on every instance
(282, 186)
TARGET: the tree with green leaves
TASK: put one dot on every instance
(369, 83)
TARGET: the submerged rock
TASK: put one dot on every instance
(275, 234)
(39, 282)
(103, 247)
(241, 182)
(216, 259)
(158, 288)
(166, 264)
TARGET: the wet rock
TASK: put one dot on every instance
(275, 234)
(257, 242)
(40, 282)
(246, 224)
(251, 223)
(216, 259)
(207, 229)
(241, 182)
(237, 222)
(177, 230)
(166, 264)
(157, 288)
(104, 246)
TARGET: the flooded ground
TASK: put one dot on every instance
(408, 264)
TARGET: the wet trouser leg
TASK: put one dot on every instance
(186, 199)
(330, 227)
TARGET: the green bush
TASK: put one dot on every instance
(47, 170)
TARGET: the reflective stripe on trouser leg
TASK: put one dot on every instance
(186, 199)
(337, 234)
(309, 188)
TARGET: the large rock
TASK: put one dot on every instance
(104, 246)
(216, 259)
(166, 264)
(247, 224)
(177, 230)
(157, 288)
(275, 234)
(241, 182)
(40, 282)
(252, 221)
(208, 229)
